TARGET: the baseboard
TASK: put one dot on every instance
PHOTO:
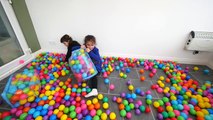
(178, 60)
(210, 65)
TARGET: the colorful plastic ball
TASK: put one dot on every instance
(206, 71)
(142, 108)
(137, 90)
(148, 101)
(156, 104)
(131, 87)
(88, 117)
(165, 115)
(196, 68)
(147, 110)
(128, 115)
(112, 116)
(160, 109)
(100, 96)
(106, 81)
(128, 70)
(104, 116)
(171, 114)
(160, 116)
(105, 105)
(142, 78)
(123, 113)
(169, 108)
(111, 87)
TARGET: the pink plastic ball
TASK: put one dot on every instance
(128, 115)
(139, 102)
(83, 106)
(78, 110)
(186, 107)
(111, 87)
(159, 90)
(177, 113)
(93, 112)
(148, 92)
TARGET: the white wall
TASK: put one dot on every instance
(135, 28)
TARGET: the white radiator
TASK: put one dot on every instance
(200, 41)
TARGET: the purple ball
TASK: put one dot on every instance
(67, 103)
(167, 94)
(71, 99)
(122, 69)
(123, 94)
(79, 116)
(114, 98)
(108, 112)
(137, 112)
(136, 105)
(142, 93)
(27, 104)
(50, 108)
(131, 100)
(128, 82)
(85, 112)
(29, 117)
(45, 117)
(56, 105)
(78, 94)
(160, 116)
(33, 105)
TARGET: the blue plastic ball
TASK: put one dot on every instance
(128, 70)
(106, 81)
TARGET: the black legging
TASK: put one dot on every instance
(94, 81)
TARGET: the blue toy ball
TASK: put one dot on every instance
(137, 90)
(117, 68)
(88, 117)
(106, 81)
(206, 72)
(128, 70)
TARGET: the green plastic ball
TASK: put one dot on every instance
(142, 108)
(125, 102)
(96, 117)
(165, 114)
(123, 113)
(99, 112)
(171, 114)
(73, 114)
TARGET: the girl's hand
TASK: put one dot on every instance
(88, 50)
(83, 47)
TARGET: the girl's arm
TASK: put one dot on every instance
(94, 54)
(69, 53)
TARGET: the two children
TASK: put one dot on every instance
(89, 46)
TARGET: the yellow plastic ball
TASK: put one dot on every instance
(173, 98)
(84, 84)
(121, 74)
(103, 116)
(156, 104)
(112, 116)
(199, 114)
(130, 87)
(89, 102)
(201, 105)
(39, 118)
(64, 117)
(94, 100)
(31, 98)
(22, 102)
(196, 68)
(105, 106)
(52, 102)
(169, 108)
(205, 112)
(162, 78)
(61, 107)
(50, 97)
(100, 96)
(56, 111)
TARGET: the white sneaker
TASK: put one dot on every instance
(94, 92)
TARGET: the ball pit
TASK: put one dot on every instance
(63, 100)
(82, 65)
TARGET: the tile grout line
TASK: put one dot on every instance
(152, 112)
(155, 91)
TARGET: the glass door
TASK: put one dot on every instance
(13, 47)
